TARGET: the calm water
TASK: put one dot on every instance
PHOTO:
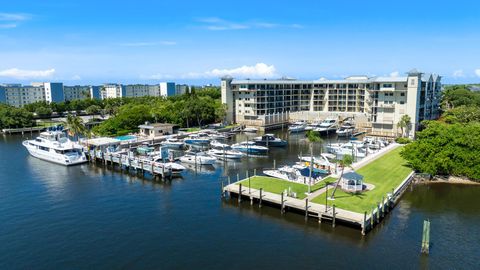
(88, 217)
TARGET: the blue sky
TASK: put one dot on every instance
(89, 42)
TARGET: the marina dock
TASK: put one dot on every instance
(124, 162)
(365, 222)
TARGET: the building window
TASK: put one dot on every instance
(402, 94)
(402, 102)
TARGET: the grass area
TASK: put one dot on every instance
(193, 129)
(385, 173)
(277, 186)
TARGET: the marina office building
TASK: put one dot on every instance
(379, 101)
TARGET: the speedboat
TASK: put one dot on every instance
(198, 158)
(172, 143)
(250, 147)
(250, 130)
(197, 139)
(223, 151)
(270, 140)
(52, 145)
(297, 128)
(344, 132)
(327, 126)
(174, 167)
(312, 126)
(322, 160)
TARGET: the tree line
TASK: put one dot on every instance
(451, 144)
(196, 108)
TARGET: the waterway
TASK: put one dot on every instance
(89, 217)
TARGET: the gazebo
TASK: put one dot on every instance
(352, 182)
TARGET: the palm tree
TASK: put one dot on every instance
(346, 161)
(75, 125)
(313, 137)
(404, 123)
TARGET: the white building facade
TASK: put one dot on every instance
(381, 100)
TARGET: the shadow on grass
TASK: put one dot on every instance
(351, 194)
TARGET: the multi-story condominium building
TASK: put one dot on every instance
(18, 95)
(81, 92)
(163, 89)
(181, 89)
(382, 100)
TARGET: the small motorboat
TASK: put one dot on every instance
(250, 147)
(269, 140)
(172, 143)
(344, 132)
(224, 151)
(198, 158)
(198, 139)
(250, 130)
(297, 128)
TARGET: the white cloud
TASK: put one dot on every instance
(7, 25)
(458, 73)
(16, 73)
(11, 20)
(76, 78)
(394, 74)
(13, 17)
(218, 24)
(477, 72)
(259, 70)
(149, 43)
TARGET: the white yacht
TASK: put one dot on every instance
(54, 146)
(327, 126)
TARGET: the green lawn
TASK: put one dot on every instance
(275, 185)
(385, 173)
(193, 129)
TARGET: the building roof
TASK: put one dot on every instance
(102, 141)
(157, 125)
(353, 176)
(351, 79)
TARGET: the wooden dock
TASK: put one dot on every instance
(124, 162)
(365, 222)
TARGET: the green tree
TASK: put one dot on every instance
(404, 124)
(314, 138)
(346, 161)
(43, 111)
(93, 109)
(75, 125)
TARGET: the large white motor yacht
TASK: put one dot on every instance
(54, 146)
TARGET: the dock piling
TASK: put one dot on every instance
(260, 199)
(282, 206)
(239, 193)
(333, 216)
(306, 209)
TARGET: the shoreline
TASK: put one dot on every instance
(452, 180)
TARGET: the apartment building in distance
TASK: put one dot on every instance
(163, 89)
(18, 95)
(380, 100)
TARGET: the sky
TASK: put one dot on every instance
(197, 42)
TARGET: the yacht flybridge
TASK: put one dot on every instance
(52, 145)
